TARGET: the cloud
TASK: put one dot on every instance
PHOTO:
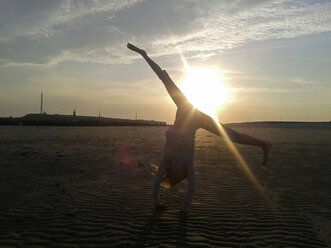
(45, 33)
(78, 31)
(299, 80)
(228, 26)
(21, 17)
(271, 84)
(40, 17)
(266, 90)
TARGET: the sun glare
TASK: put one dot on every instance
(205, 89)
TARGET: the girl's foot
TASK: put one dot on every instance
(136, 49)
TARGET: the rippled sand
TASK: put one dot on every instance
(91, 187)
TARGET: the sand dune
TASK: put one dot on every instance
(91, 187)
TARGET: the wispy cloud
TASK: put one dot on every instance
(228, 26)
(41, 18)
(34, 34)
(45, 34)
(299, 80)
(267, 90)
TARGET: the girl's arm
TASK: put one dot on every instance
(190, 189)
(157, 183)
(175, 93)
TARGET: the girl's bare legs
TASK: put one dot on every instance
(156, 68)
(250, 140)
(174, 92)
(217, 128)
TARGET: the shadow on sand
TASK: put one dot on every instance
(158, 230)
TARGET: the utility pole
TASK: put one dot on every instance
(41, 103)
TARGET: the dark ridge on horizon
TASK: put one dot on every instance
(36, 119)
(284, 124)
(75, 120)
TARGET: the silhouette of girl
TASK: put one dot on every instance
(177, 162)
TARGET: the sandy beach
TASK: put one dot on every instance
(91, 187)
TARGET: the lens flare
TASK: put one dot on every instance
(212, 112)
(246, 170)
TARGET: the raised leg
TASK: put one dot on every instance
(211, 125)
(250, 140)
(156, 68)
(174, 92)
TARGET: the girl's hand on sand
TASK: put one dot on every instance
(184, 211)
(160, 206)
(136, 49)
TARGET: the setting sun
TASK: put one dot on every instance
(205, 89)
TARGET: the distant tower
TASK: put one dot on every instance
(99, 115)
(74, 112)
(41, 103)
(136, 116)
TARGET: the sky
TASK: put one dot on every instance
(274, 56)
